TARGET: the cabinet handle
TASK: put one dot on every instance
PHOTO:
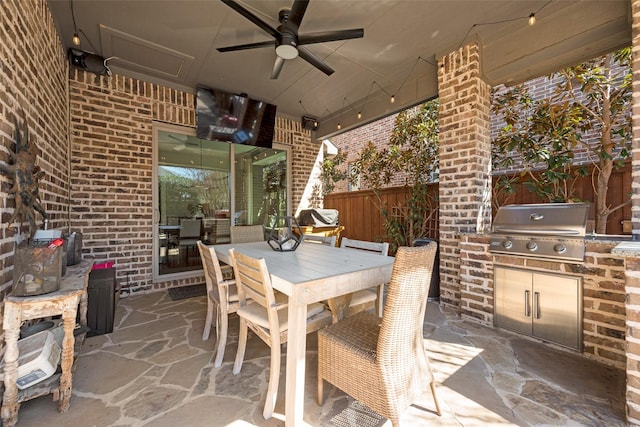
(527, 307)
(536, 305)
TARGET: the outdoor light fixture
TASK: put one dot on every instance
(532, 19)
(287, 49)
(309, 123)
(393, 97)
(76, 38)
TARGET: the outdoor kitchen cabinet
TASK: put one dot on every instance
(542, 305)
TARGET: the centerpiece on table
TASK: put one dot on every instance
(285, 234)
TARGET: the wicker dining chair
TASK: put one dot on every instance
(246, 233)
(222, 298)
(366, 299)
(267, 317)
(382, 363)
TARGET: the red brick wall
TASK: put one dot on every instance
(465, 147)
(111, 145)
(111, 172)
(633, 262)
(33, 80)
(304, 154)
(352, 142)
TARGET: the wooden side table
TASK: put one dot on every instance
(65, 301)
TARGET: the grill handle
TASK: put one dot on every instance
(537, 231)
(527, 305)
(536, 305)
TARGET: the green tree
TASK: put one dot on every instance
(592, 98)
(412, 153)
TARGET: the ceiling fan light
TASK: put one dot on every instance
(286, 51)
(287, 48)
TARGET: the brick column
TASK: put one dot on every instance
(632, 264)
(635, 111)
(465, 160)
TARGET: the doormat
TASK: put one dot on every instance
(190, 291)
(358, 415)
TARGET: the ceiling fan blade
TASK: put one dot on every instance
(253, 18)
(315, 61)
(298, 9)
(247, 46)
(329, 36)
(277, 67)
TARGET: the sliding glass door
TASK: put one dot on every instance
(261, 188)
(198, 195)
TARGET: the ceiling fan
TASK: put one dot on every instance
(287, 42)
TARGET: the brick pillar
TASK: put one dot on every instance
(465, 160)
(635, 111)
(632, 265)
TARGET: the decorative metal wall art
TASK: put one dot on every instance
(26, 175)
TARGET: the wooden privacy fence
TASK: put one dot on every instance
(360, 213)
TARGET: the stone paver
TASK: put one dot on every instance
(155, 370)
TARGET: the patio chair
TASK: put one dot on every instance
(325, 240)
(189, 234)
(366, 298)
(246, 233)
(222, 296)
(383, 364)
(267, 317)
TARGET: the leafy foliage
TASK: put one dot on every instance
(592, 98)
(412, 152)
(331, 171)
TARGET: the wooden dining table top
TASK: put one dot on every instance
(322, 270)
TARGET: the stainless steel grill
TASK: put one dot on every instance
(553, 231)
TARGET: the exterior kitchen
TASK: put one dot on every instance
(589, 294)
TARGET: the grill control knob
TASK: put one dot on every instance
(507, 244)
(532, 246)
(559, 248)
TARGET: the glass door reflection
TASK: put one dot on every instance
(193, 200)
(203, 187)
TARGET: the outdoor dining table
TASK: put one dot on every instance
(311, 273)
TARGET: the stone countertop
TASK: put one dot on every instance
(629, 248)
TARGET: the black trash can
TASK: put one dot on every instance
(101, 304)
(434, 288)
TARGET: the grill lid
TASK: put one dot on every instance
(548, 219)
(554, 231)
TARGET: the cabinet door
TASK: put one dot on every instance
(512, 299)
(557, 309)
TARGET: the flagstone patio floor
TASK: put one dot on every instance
(155, 370)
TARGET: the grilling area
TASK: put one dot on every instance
(549, 279)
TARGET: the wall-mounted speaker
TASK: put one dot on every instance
(309, 123)
(88, 62)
